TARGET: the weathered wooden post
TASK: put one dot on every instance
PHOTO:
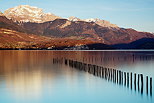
(97, 71)
(131, 80)
(135, 81)
(138, 82)
(102, 72)
(150, 86)
(147, 85)
(90, 69)
(122, 78)
(111, 74)
(94, 70)
(105, 73)
(141, 83)
(117, 76)
(127, 79)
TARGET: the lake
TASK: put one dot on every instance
(44, 77)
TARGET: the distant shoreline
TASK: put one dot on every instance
(1, 49)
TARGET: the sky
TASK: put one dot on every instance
(136, 14)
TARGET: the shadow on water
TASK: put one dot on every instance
(133, 81)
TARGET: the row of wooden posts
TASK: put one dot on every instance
(116, 76)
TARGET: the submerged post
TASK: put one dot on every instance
(151, 86)
(135, 81)
(122, 78)
(102, 72)
(138, 82)
(131, 80)
(147, 85)
(141, 83)
(108, 74)
(111, 74)
(117, 76)
(127, 79)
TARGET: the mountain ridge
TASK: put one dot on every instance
(26, 13)
(74, 30)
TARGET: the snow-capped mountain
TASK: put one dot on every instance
(1, 14)
(74, 19)
(26, 13)
(102, 23)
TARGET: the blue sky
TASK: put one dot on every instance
(137, 14)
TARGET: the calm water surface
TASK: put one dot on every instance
(32, 77)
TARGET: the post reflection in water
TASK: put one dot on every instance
(32, 76)
(97, 71)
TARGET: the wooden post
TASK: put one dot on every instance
(138, 82)
(131, 80)
(127, 79)
(111, 74)
(135, 81)
(94, 69)
(147, 85)
(97, 70)
(150, 86)
(122, 78)
(141, 83)
(105, 73)
(102, 72)
(117, 76)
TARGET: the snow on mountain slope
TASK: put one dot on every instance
(1, 14)
(26, 13)
(102, 23)
(74, 19)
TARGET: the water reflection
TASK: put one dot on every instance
(33, 74)
(110, 74)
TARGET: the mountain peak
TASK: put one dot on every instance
(102, 23)
(1, 14)
(92, 20)
(72, 18)
(26, 13)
